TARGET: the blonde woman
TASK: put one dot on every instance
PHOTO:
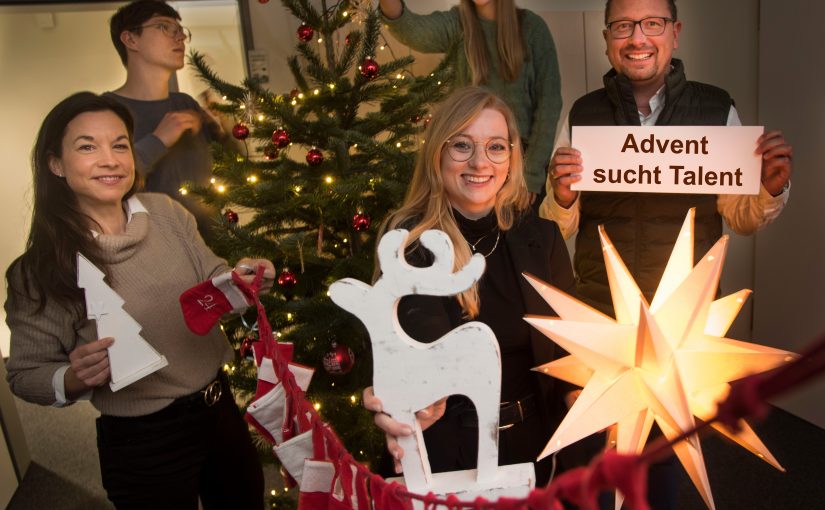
(468, 182)
(506, 50)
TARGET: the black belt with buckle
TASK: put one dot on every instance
(510, 414)
(208, 396)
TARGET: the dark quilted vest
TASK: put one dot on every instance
(643, 226)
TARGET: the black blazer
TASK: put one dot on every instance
(537, 247)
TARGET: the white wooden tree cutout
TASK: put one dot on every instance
(130, 357)
(410, 375)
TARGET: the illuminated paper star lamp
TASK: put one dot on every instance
(667, 362)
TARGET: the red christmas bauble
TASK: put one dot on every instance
(315, 157)
(427, 120)
(246, 347)
(346, 40)
(305, 33)
(280, 138)
(294, 93)
(240, 131)
(231, 216)
(263, 1)
(369, 68)
(340, 360)
(287, 279)
(270, 152)
(361, 221)
(415, 119)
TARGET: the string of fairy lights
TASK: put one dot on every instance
(253, 118)
(281, 142)
(250, 117)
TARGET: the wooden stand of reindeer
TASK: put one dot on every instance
(410, 375)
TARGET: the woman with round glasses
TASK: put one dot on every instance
(468, 182)
(507, 50)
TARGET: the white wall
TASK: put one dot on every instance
(49, 52)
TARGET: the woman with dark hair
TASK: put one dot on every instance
(162, 444)
(507, 50)
(468, 182)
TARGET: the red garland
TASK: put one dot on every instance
(581, 486)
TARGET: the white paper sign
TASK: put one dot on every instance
(669, 159)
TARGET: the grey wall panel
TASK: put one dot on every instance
(790, 274)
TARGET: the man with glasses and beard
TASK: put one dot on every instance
(647, 87)
(172, 132)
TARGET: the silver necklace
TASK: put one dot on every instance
(495, 245)
(473, 245)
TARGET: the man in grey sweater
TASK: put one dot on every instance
(171, 135)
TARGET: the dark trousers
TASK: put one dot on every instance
(167, 459)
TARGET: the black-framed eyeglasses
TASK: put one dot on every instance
(652, 26)
(171, 30)
(461, 148)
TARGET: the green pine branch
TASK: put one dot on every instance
(301, 216)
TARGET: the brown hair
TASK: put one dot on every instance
(426, 203)
(131, 16)
(59, 229)
(511, 47)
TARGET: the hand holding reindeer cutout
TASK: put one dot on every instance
(393, 429)
(411, 376)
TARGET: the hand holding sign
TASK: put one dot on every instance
(776, 161)
(565, 169)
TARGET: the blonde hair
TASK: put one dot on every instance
(426, 204)
(511, 49)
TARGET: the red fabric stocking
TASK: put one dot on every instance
(204, 304)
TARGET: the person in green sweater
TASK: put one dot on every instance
(506, 50)
(176, 435)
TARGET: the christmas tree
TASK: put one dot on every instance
(325, 162)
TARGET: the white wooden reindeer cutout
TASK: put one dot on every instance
(410, 375)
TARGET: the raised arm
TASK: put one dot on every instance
(434, 32)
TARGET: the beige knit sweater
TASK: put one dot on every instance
(160, 256)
